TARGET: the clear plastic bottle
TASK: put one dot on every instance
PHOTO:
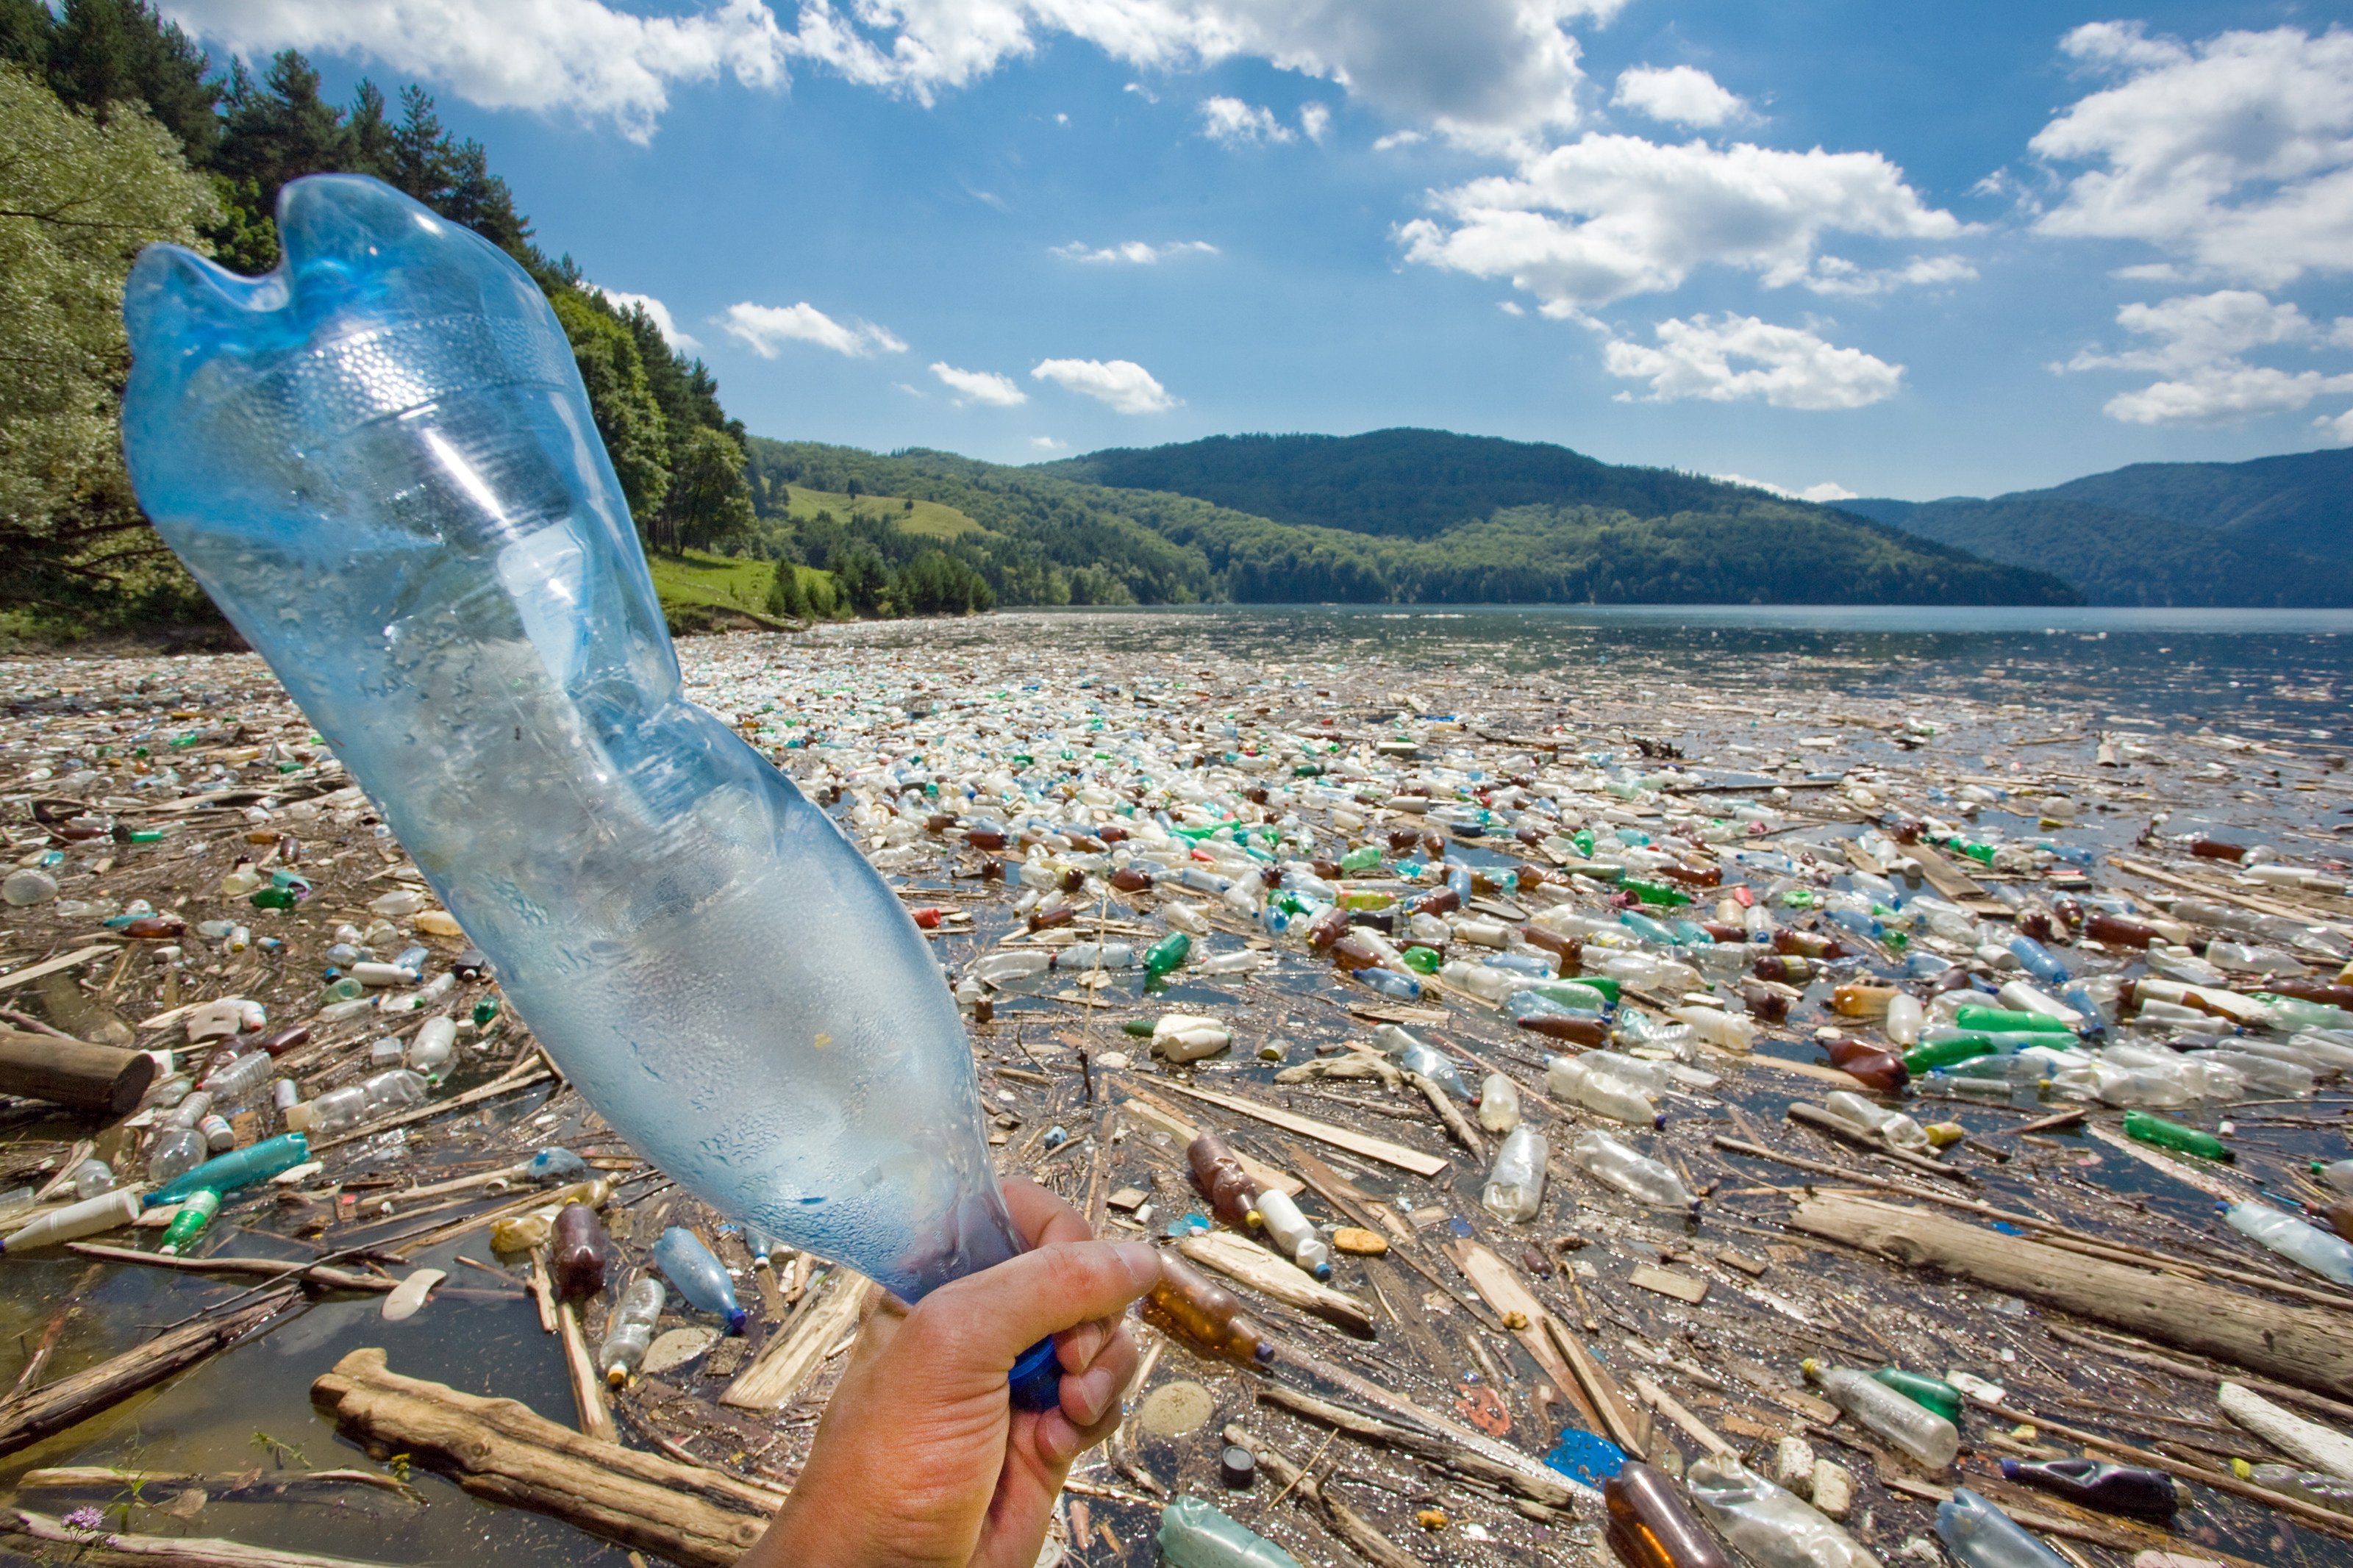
(1914, 1428)
(178, 1150)
(1980, 1535)
(92, 1177)
(1603, 1093)
(1640, 1177)
(435, 1043)
(2334, 1492)
(630, 1329)
(1892, 1127)
(1292, 1232)
(1769, 1527)
(1515, 1188)
(2327, 1256)
(233, 1080)
(1903, 1020)
(380, 462)
(1195, 1535)
(701, 1279)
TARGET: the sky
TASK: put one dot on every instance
(1837, 248)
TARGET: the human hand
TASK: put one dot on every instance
(922, 1459)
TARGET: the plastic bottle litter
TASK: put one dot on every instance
(2330, 1257)
(257, 1163)
(1194, 1535)
(2110, 1488)
(1893, 1128)
(1650, 1526)
(1205, 1318)
(1231, 1192)
(1917, 1430)
(108, 1211)
(1980, 1535)
(479, 640)
(197, 1210)
(701, 1279)
(1600, 1091)
(1515, 1186)
(1499, 1103)
(1769, 1527)
(1640, 1177)
(1290, 1230)
(578, 1252)
(630, 1329)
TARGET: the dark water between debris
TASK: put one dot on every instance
(2279, 677)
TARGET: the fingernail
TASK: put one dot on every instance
(1095, 1390)
(1081, 1346)
(1142, 1259)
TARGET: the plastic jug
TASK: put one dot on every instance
(379, 461)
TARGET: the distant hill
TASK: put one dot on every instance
(2275, 532)
(1403, 517)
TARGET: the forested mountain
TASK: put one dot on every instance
(1046, 536)
(120, 134)
(2275, 532)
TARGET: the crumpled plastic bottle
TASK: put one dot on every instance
(379, 461)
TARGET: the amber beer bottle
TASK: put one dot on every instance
(1574, 1031)
(1651, 1527)
(1882, 1070)
(1223, 1181)
(1790, 970)
(1202, 1317)
(2115, 931)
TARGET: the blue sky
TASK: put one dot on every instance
(1838, 248)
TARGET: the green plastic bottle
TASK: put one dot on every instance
(2155, 1130)
(1947, 1052)
(1363, 858)
(1168, 953)
(1423, 959)
(1929, 1392)
(1582, 991)
(2003, 1021)
(1138, 1029)
(197, 1210)
(1655, 892)
(241, 1168)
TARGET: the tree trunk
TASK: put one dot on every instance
(500, 1449)
(2305, 1346)
(74, 1074)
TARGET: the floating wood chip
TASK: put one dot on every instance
(1666, 1282)
(1381, 1149)
(1254, 1265)
(786, 1362)
(1127, 1200)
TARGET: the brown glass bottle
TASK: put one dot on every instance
(1651, 1527)
(578, 1252)
(1353, 953)
(1222, 1180)
(1768, 1005)
(1204, 1318)
(1129, 879)
(1882, 1070)
(2115, 931)
(1577, 1031)
(2320, 991)
(1439, 901)
(1786, 968)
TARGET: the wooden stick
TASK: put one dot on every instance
(502, 1450)
(252, 1267)
(587, 1384)
(1410, 1160)
(51, 966)
(27, 1418)
(1443, 1104)
(2296, 1344)
(1438, 1451)
(1238, 1257)
(2342, 1411)
(41, 1536)
(107, 1479)
(1821, 1121)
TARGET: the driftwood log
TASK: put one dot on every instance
(502, 1450)
(48, 1539)
(2305, 1346)
(72, 1073)
(27, 1418)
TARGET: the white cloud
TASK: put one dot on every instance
(584, 56)
(1789, 367)
(2235, 153)
(982, 386)
(1122, 384)
(1047, 444)
(1399, 138)
(1510, 307)
(1234, 124)
(2338, 430)
(656, 312)
(1315, 120)
(1678, 95)
(766, 329)
(1487, 71)
(2199, 344)
(1836, 274)
(1135, 252)
(1827, 492)
(1608, 216)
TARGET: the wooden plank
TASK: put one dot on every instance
(51, 966)
(1410, 1160)
(588, 1387)
(1563, 1355)
(1668, 1405)
(786, 1362)
(1238, 1257)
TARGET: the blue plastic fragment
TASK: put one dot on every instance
(1583, 1457)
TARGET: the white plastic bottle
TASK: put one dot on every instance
(1603, 1093)
(1292, 1232)
(1640, 1177)
(2327, 1256)
(1499, 1103)
(430, 1051)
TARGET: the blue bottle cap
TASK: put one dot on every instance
(1037, 1378)
(736, 1320)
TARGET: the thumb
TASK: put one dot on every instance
(988, 1318)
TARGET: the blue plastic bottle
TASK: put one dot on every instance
(379, 461)
(701, 1279)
